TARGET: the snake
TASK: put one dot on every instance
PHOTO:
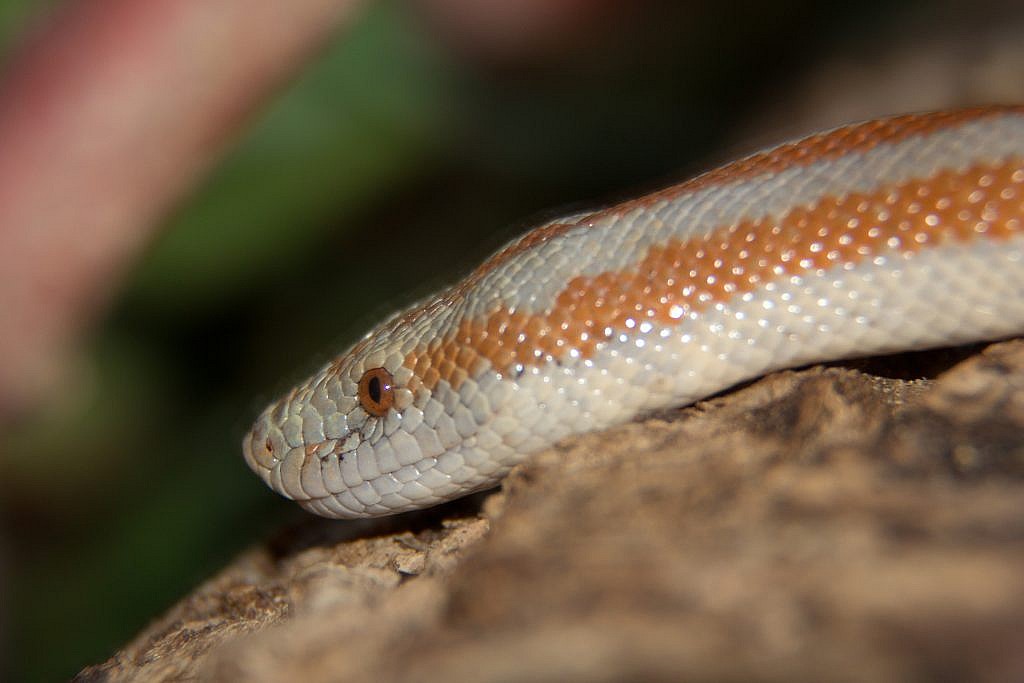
(888, 235)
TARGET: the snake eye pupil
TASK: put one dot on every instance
(376, 392)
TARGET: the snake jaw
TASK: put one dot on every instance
(319, 446)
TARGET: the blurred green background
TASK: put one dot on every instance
(393, 163)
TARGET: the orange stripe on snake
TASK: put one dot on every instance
(683, 276)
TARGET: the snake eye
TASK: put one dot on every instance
(376, 391)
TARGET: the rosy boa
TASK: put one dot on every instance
(894, 234)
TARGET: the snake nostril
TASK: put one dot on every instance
(259, 446)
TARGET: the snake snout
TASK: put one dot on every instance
(258, 448)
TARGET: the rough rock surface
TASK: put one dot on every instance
(835, 523)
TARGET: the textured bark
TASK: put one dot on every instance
(833, 523)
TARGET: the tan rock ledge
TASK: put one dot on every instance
(832, 524)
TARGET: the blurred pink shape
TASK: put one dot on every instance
(107, 117)
(116, 107)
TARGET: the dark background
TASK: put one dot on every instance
(397, 160)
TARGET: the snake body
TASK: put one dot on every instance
(894, 234)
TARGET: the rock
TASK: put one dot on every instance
(835, 523)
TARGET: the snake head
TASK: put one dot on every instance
(367, 436)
